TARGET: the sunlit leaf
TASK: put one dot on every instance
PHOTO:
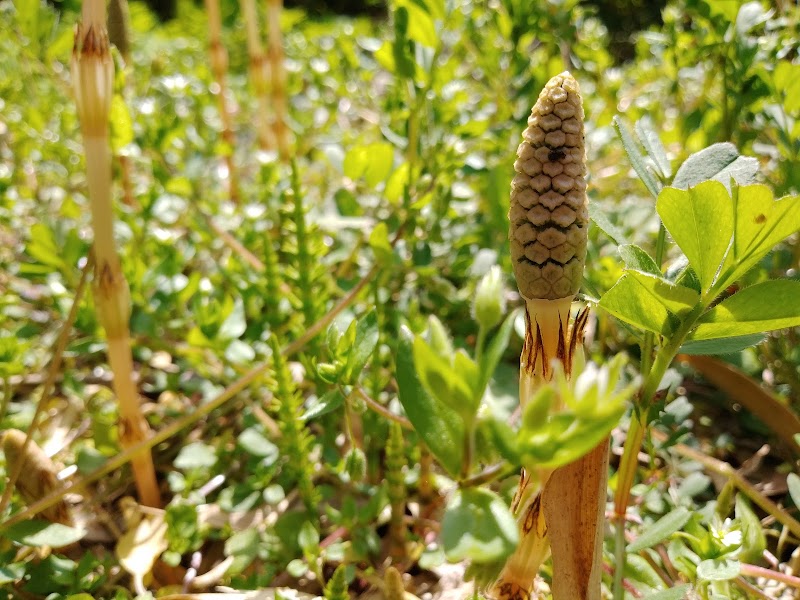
(196, 455)
(793, 481)
(35, 532)
(754, 542)
(636, 157)
(329, 402)
(366, 339)
(761, 222)
(701, 222)
(478, 526)
(648, 302)
(141, 545)
(373, 162)
(599, 217)
(718, 570)
(438, 425)
(661, 529)
(761, 307)
(121, 123)
(719, 162)
(730, 345)
(638, 260)
(648, 136)
(494, 351)
(252, 441)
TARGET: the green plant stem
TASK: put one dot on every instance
(381, 410)
(619, 556)
(639, 421)
(494, 473)
(479, 344)
(469, 449)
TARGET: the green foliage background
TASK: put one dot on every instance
(404, 133)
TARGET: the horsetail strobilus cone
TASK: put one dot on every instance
(549, 222)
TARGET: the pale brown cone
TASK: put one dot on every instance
(549, 216)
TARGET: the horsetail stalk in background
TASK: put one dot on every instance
(277, 71)
(257, 68)
(92, 77)
(549, 223)
(219, 68)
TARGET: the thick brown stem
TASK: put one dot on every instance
(112, 299)
(574, 506)
(93, 73)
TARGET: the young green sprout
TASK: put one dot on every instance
(92, 78)
(549, 222)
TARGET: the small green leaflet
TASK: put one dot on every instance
(478, 526)
(636, 157)
(661, 529)
(718, 570)
(439, 426)
(719, 162)
(35, 532)
(761, 307)
(648, 302)
(701, 222)
(761, 223)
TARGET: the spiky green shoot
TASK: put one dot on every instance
(336, 589)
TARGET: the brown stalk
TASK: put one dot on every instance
(38, 473)
(219, 67)
(258, 75)
(93, 74)
(747, 392)
(277, 72)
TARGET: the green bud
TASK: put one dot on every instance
(355, 464)
(439, 339)
(489, 304)
(328, 372)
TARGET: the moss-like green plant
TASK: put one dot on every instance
(395, 478)
(336, 589)
(296, 442)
